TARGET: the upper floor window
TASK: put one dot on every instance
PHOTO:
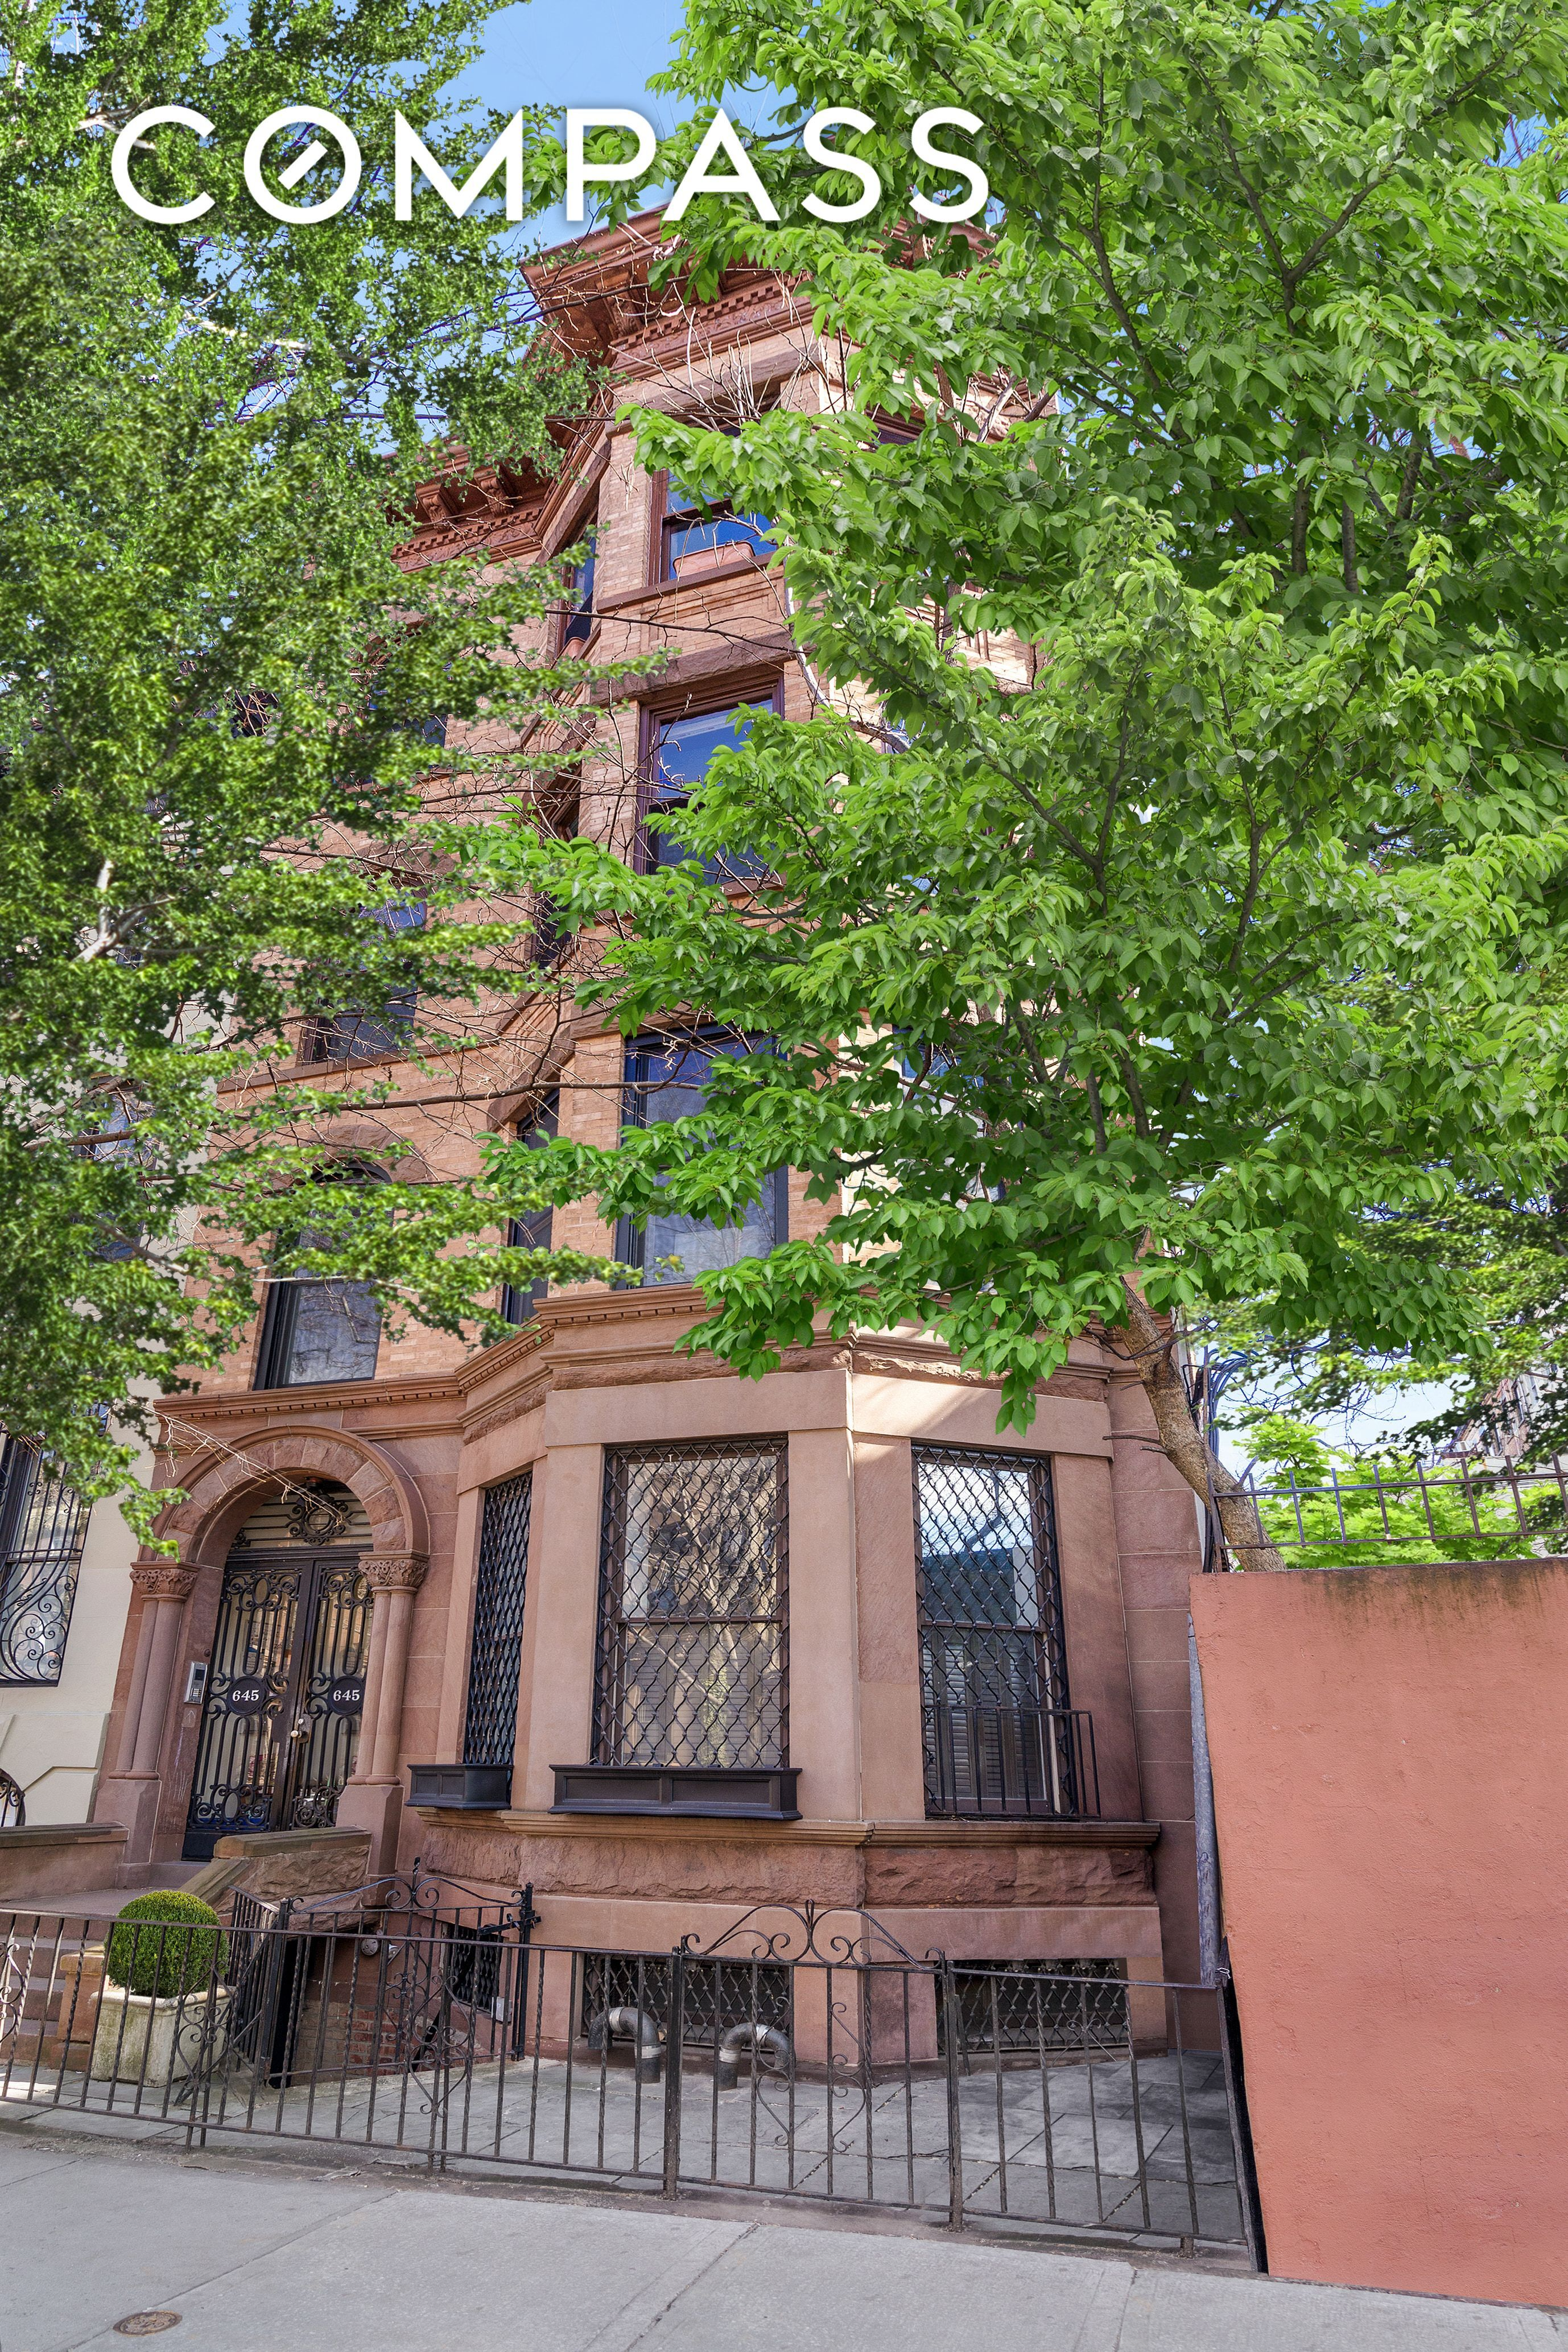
(43, 1526)
(358, 1036)
(680, 755)
(363, 1033)
(534, 1230)
(558, 815)
(577, 620)
(698, 535)
(667, 1079)
(999, 1737)
(692, 1622)
(318, 1328)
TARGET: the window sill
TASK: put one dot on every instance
(297, 1071)
(705, 1792)
(670, 586)
(461, 1788)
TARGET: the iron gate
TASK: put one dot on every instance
(285, 1693)
(803, 2054)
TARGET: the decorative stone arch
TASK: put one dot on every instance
(223, 1491)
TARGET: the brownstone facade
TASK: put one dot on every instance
(1097, 1865)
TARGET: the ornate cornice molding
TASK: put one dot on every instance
(525, 1400)
(266, 1408)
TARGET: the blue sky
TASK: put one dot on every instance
(576, 53)
(584, 53)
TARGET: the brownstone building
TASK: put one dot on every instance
(575, 1612)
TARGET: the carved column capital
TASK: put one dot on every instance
(163, 1579)
(395, 1572)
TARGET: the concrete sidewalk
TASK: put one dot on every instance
(259, 2256)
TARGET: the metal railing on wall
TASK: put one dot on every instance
(1460, 1510)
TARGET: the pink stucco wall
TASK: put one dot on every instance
(1390, 1753)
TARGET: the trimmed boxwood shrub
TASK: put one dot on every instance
(165, 1944)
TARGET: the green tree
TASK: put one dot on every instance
(1171, 965)
(216, 683)
(1500, 1369)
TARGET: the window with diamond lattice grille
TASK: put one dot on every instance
(693, 1664)
(993, 1679)
(499, 1588)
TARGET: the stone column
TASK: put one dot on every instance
(373, 1799)
(132, 1792)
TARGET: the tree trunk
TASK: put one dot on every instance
(1149, 1347)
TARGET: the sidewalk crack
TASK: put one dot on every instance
(606, 2341)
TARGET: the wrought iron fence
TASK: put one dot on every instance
(1465, 1510)
(803, 2054)
(1060, 2005)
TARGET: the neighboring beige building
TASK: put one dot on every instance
(64, 1589)
(579, 1613)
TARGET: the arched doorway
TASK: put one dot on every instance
(285, 1683)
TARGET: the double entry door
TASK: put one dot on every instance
(284, 1696)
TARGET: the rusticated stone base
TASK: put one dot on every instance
(1071, 1875)
(870, 1865)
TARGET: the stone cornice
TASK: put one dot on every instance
(501, 1383)
(490, 1363)
(267, 1406)
(513, 1408)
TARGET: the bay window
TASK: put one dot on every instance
(697, 536)
(692, 1650)
(1000, 1737)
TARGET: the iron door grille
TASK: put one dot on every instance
(276, 1747)
(323, 1737)
(43, 1526)
(693, 1634)
(998, 1737)
(489, 1733)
